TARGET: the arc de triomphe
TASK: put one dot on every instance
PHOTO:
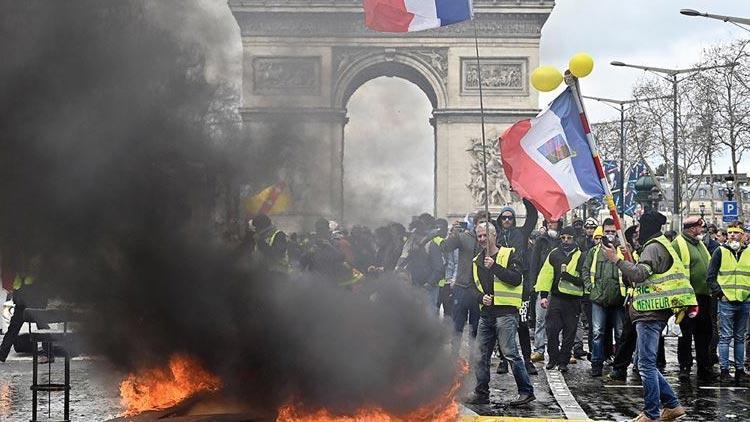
(303, 59)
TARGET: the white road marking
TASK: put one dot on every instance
(564, 398)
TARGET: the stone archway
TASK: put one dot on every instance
(303, 59)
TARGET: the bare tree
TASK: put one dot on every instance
(729, 94)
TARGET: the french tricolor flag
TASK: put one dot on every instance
(548, 160)
(414, 15)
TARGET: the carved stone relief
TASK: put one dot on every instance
(497, 184)
(286, 75)
(500, 76)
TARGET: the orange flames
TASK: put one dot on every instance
(159, 388)
(444, 409)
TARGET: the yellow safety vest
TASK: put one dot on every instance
(623, 290)
(734, 275)
(438, 240)
(281, 265)
(685, 252)
(669, 290)
(547, 275)
(503, 294)
(356, 277)
(21, 281)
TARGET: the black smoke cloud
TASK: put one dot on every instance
(109, 166)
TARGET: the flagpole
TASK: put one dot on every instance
(609, 200)
(481, 114)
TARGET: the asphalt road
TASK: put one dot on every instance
(95, 397)
(607, 400)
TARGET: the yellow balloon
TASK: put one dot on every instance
(546, 78)
(581, 65)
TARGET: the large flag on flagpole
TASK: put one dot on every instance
(272, 200)
(548, 160)
(415, 15)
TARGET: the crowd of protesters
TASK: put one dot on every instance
(532, 293)
(530, 290)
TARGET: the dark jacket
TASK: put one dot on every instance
(518, 238)
(437, 264)
(511, 276)
(654, 258)
(557, 258)
(467, 246)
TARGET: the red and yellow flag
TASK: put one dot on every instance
(272, 200)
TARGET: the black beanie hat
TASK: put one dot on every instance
(650, 224)
(568, 230)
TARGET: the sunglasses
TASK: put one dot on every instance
(610, 231)
(506, 217)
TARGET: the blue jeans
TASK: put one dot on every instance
(656, 389)
(600, 315)
(465, 303)
(501, 330)
(540, 329)
(732, 325)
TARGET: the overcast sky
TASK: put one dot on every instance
(648, 32)
(389, 148)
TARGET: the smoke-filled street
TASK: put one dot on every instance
(97, 397)
(374, 210)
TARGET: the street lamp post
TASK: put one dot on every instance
(731, 19)
(702, 208)
(621, 108)
(671, 77)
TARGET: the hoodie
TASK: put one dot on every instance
(518, 238)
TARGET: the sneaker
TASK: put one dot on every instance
(531, 369)
(725, 377)
(522, 399)
(562, 367)
(550, 365)
(596, 372)
(537, 357)
(643, 418)
(502, 367)
(477, 399)
(684, 375)
(573, 360)
(618, 375)
(672, 414)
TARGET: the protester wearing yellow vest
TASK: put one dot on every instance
(560, 288)
(729, 281)
(444, 299)
(271, 243)
(498, 289)
(694, 255)
(661, 284)
(603, 281)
